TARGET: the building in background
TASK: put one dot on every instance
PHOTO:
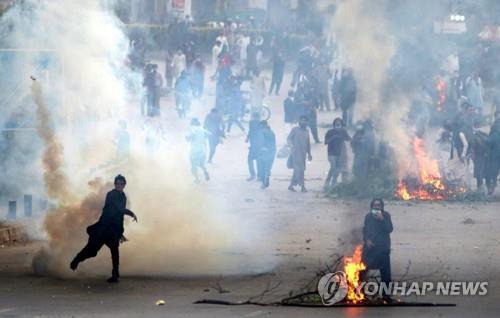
(151, 11)
(271, 12)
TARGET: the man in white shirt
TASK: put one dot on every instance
(216, 50)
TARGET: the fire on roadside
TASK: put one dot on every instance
(352, 267)
(429, 185)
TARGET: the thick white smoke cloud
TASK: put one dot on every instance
(368, 47)
(87, 91)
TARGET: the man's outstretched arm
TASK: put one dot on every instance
(131, 214)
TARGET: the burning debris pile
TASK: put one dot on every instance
(428, 185)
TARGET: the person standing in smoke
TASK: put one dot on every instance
(278, 71)
(198, 153)
(148, 83)
(157, 86)
(216, 50)
(289, 109)
(463, 133)
(321, 85)
(189, 53)
(335, 89)
(335, 139)
(251, 61)
(347, 98)
(243, 43)
(214, 124)
(312, 117)
(493, 163)
(474, 90)
(179, 63)
(183, 89)
(235, 104)
(479, 156)
(258, 91)
(108, 230)
(198, 77)
(300, 145)
(153, 82)
(267, 152)
(363, 147)
(169, 69)
(377, 241)
(253, 150)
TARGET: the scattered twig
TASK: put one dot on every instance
(269, 288)
(218, 287)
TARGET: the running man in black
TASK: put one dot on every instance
(109, 229)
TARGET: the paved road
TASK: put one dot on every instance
(298, 234)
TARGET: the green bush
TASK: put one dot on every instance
(366, 188)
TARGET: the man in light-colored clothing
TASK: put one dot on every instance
(179, 62)
(258, 87)
(216, 50)
(474, 90)
(300, 145)
(198, 153)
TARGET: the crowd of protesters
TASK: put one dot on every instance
(319, 83)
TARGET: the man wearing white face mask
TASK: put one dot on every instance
(377, 240)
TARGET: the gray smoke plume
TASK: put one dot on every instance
(368, 47)
(86, 91)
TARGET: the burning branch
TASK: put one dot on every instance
(352, 267)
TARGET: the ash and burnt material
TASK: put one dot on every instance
(412, 188)
(428, 184)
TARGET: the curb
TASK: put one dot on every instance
(12, 234)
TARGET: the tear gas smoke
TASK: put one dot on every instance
(54, 178)
(368, 47)
(87, 90)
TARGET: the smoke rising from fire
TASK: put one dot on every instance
(86, 91)
(368, 47)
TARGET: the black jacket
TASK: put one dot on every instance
(378, 232)
(111, 220)
(335, 138)
(267, 149)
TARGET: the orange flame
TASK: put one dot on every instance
(431, 186)
(352, 266)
